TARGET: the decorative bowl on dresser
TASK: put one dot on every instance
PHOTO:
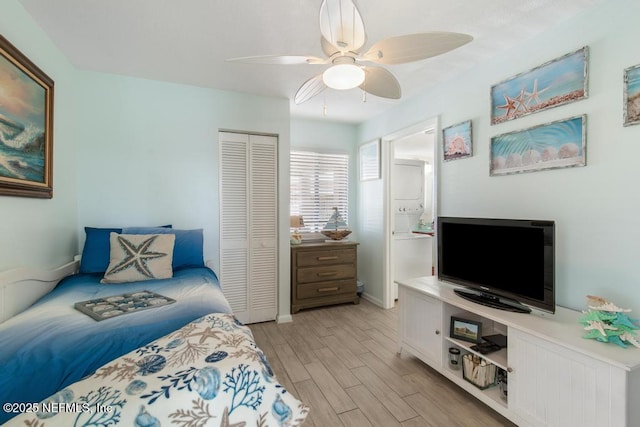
(323, 274)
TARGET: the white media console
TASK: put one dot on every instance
(555, 377)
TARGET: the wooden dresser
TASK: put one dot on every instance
(323, 274)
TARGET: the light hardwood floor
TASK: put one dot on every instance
(342, 362)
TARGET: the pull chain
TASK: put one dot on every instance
(364, 86)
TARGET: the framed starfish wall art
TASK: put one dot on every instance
(457, 142)
(26, 126)
(557, 82)
(632, 95)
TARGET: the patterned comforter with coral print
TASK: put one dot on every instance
(208, 373)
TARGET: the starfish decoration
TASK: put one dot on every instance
(225, 420)
(535, 93)
(596, 316)
(618, 341)
(625, 320)
(595, 335)
(136, 256)
(630, 339)
(511, 105)
(598, 326)
(521, 102)
(606, 322)
(611, 308)
(206, 333)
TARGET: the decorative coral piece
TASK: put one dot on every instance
(606, 322)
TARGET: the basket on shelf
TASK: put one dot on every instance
(478, 371)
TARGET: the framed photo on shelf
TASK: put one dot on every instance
(465, 330)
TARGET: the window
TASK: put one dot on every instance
(319, 182)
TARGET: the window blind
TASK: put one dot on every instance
(319, 182)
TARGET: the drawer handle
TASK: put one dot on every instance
(329, 289)
(327, 258)
(328, 273)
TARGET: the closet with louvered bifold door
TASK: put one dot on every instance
(249, 224)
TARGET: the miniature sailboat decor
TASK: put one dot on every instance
(336, 228)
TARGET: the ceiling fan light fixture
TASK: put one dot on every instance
(343, 76)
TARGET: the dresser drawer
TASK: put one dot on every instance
(323, 274)
(323, 289)
(329, 272)
(324, 257)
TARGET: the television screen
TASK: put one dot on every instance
(506, 258)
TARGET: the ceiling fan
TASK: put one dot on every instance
(343, 36)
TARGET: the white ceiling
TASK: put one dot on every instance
(188, 41)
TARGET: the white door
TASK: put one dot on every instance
(248, 224)
(420, 324)
(552, 386)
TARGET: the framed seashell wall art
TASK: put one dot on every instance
(558, 144)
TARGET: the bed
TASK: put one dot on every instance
(187, 362)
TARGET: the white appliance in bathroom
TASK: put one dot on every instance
(412, 251)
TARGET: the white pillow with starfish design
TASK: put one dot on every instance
(136, 257)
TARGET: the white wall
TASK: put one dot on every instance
(595, 207)
(42, 232)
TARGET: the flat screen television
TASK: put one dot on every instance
(503, 263)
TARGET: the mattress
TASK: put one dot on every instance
(51, 344)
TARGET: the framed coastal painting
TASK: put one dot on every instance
(632, 95)
(26, 126)
(557, 82)
(559, 144)
(369, 154)
(457, 142)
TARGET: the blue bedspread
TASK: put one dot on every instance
(51, 344)
(210, 372)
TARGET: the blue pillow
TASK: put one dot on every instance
(97, 250)
(188, 247)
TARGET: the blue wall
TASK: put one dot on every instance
(42, 232)
(131, 151)
(595, 207)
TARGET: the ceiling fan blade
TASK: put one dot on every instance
(341, 24)
(309, 89)
(414, 47)
(279, 59)
(380, 82)
(327, 47)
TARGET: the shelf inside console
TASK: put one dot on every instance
(498, 358)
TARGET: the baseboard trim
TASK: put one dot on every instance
(286, 318)
(372, 299)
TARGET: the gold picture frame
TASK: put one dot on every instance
(26, 126)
